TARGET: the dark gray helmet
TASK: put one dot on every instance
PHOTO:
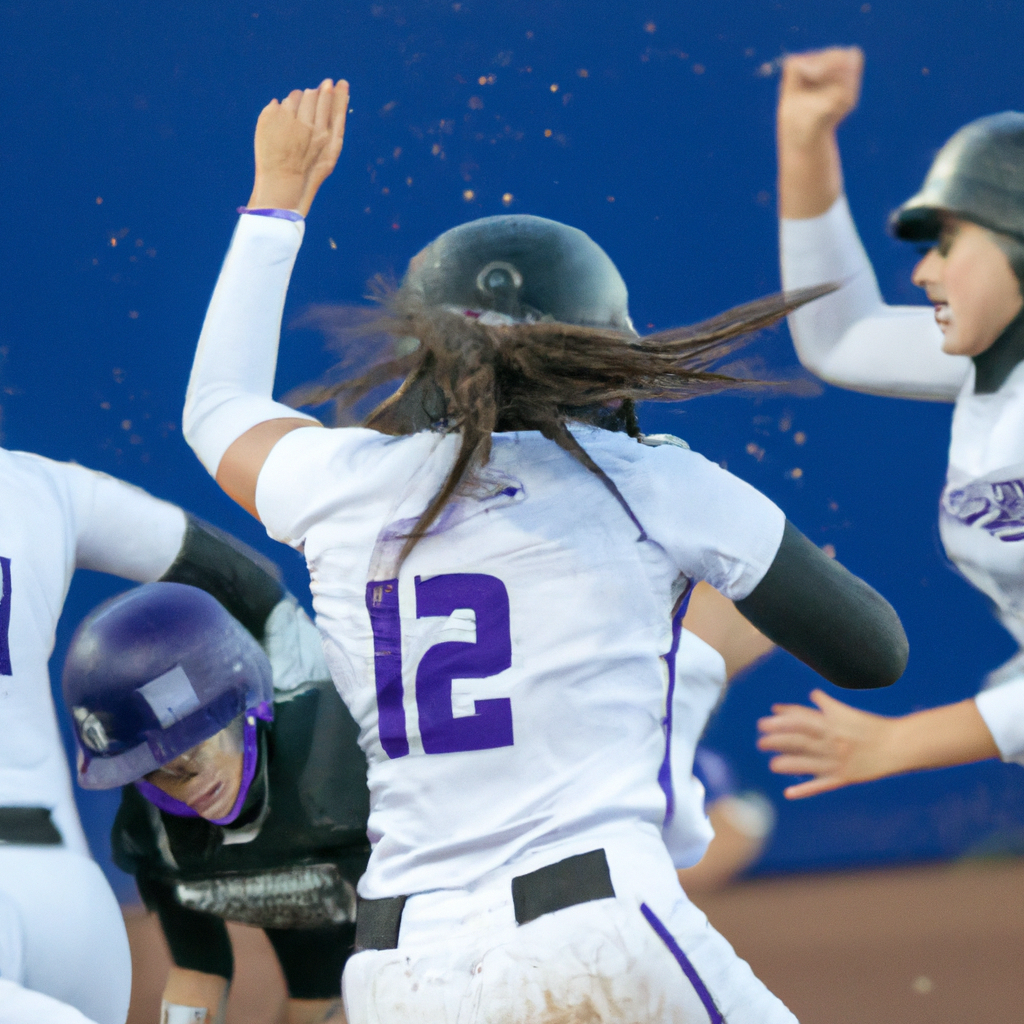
(522, 265)
(978, 175)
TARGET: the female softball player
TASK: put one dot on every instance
(57, 911)
(242, 801)
(970, 211)
(496, 558)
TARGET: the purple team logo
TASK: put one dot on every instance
(997, 508)
(441, 730)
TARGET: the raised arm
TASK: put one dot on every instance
(230, 419)
(850, 338)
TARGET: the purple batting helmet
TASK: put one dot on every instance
(152, 673)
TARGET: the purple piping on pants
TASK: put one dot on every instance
(250, 755)
(665, 771)
(714, 1014)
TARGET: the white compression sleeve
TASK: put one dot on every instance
(233, 373)
(1002, 708)
(852, 338)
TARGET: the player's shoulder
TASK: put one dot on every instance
(349, 444)
(616, 451)
(33, 464)
(26, 472)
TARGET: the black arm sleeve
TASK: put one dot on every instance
(245, 582)
(197, 941)
(827, 617)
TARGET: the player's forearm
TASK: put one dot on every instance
(937, 738)
(187, 991)
(714, 619)
(810, 170)
(232, 377)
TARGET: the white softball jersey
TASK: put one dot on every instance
(57, 517)
(852, 339)
(522, 684)
(63, 936)
(510, 682)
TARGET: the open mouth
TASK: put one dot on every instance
(943, 316)
(207, 799)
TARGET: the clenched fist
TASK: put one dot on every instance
(818, 90)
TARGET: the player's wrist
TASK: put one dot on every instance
(281, 191)
(894, 747)
(803, 130)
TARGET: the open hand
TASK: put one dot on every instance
(837, 744)
(297, 145)
(818, 90)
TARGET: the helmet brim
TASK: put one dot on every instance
(115, 771)
(917, 221)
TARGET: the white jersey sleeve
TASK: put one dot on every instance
(232, 378)
(1002, 709)
(713, 526)
(120, 529)
(851, 338)
(363, 467)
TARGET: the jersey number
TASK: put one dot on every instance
(441, 731)
(5, 618)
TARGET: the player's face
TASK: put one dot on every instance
(970, 282)
(207, 777)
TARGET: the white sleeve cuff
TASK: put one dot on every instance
(1002, 709)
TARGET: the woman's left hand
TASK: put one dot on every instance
(297, 145)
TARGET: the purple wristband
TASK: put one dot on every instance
(280, 214)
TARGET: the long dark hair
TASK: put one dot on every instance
(462, 374)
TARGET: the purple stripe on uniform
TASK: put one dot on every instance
(5, 618)
(714, 1014)
(382, 604)
(665, 771)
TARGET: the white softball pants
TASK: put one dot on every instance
(62, 936)
(646, 956)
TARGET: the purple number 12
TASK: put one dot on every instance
(5, 618)
(440, 730)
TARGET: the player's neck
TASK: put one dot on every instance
(998, 361)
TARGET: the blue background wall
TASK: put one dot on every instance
(125, 145)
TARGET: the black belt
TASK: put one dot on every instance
(578, 879)
(28, 826)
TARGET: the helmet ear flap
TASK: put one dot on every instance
(1013, 249)
(500, 283)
